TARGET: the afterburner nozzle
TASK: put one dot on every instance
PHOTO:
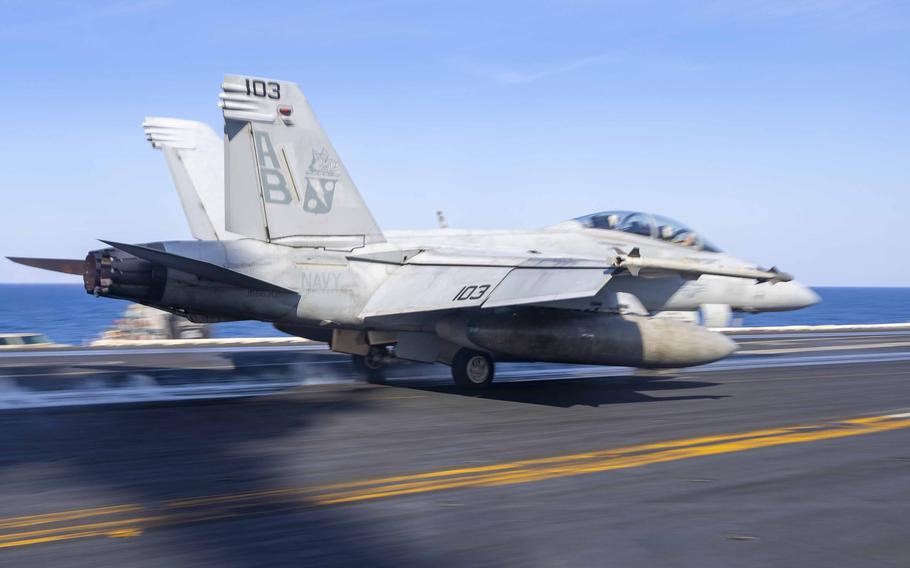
(110, 272)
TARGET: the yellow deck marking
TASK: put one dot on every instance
(213, 507)
(303, 491)
(56, 538)
(619, 462)
(104, 527)
(29, 520)
(128, 527)
(127, 532)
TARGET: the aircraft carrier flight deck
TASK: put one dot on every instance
(794, 451)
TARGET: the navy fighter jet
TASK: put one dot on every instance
(309, 257)
(194, 156)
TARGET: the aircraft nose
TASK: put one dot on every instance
(793, 296)
(803, 296)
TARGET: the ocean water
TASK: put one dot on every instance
(66, 314)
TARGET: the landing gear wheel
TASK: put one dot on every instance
(472, 369)
(372, 365)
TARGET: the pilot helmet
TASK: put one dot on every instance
(666, 232)
(612, 220)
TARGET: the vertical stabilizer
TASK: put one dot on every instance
(284, 181)
(195, 158)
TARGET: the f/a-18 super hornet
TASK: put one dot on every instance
(194, 156)
(300, 249)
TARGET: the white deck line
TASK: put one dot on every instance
(261, 341)
(839, 328)
(201, 342)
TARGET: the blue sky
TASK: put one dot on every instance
(779, 129)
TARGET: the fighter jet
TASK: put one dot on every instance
(194, 156)
(311, 259)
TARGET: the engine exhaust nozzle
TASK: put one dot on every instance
(110, 272)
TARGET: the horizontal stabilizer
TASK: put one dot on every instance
(200, 268)
(64, 265)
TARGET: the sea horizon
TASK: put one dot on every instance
(66, 314)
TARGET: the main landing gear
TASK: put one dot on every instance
(472, 369)
(372, 365)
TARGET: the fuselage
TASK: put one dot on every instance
(657, 294)
(333, 287)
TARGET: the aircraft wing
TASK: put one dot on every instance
(446, 280)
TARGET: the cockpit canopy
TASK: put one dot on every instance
(656, 227)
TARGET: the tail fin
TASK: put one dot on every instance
(284, 181)
(195, 157)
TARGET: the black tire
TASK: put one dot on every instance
(372, 365)
(473, 369)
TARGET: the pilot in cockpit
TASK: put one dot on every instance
(680, 236)
(647, 225)
(689, 239)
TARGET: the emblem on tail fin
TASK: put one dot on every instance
(321, 182)
(322, 177)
